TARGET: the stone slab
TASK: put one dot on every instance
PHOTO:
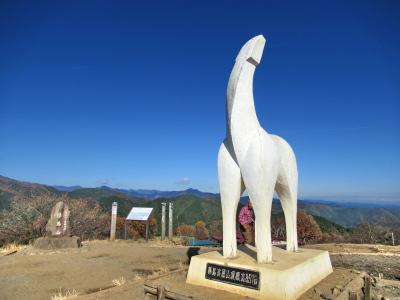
(52, 243)
(58, 224)
(287, 277)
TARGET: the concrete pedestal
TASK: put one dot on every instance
(52, 243)
(287, 277)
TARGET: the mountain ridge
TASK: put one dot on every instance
(150, 194)
(342, 214)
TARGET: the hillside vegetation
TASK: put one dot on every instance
(5, 200)
(353, 216)
(337, 222)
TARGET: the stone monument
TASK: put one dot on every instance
(252, 160)
(58, 230)
(58, 224)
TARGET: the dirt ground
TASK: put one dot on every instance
(118, 270)
(32, 274)
(373, 259)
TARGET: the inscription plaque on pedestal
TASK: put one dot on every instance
(236, 276)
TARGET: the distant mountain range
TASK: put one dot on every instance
(63, 188)
(192, 205)
(154, 194)
(145, 194)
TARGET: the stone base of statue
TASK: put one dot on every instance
(53, 242)
(287, 277)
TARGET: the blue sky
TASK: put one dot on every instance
(132, 94)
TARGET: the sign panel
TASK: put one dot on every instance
(241, 277)
(139, 213)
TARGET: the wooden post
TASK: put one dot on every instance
(160, 292)
(114, 209)
(170, 223)
(367, 287)
(163, 220)
(353, 295)
(392, 238)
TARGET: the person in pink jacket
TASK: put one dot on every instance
(246, 220)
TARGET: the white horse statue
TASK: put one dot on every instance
(253, 160)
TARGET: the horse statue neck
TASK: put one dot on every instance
(242, 121)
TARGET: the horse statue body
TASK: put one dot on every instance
(251, 159)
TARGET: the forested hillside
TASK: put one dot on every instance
(189, 208)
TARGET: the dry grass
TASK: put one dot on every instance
(163, 269)
(12, 247)
(68, 295)
(181, 265)
(138, 277)
(120, 281)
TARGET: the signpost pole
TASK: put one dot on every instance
(114, 209)
(170, 221)
(163, 220)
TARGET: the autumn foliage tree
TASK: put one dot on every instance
(215, 229)
(134, 229)
(21, 224)
(367, 233)
(278, 228)
(201, 230)
(185, 230)
(87, 219)
(26, 220)
(140, 227)
(307, 228)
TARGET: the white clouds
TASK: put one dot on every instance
(183, 181)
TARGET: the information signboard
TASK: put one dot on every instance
(139, 214)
